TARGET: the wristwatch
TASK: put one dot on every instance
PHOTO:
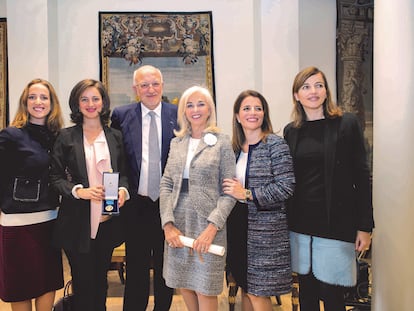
(248, 194)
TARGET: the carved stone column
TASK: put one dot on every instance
(354, 55)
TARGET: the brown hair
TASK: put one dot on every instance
(54, 120)
(74, 98)
(238, 134)
(330, 109)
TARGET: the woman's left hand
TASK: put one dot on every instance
(205, 239)
(363, 241)
(233, 187)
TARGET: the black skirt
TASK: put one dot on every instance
(236, 263)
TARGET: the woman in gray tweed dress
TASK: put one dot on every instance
(192, 202)
(258, 238)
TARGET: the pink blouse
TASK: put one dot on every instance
(98, 160)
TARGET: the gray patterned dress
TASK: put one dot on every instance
(192, 211)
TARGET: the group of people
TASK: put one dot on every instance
(301, 203)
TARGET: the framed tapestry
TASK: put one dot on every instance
(179, 44)
(4, 107)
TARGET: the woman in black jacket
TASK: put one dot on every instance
(29, 267)
(330, 215)
(81, 155)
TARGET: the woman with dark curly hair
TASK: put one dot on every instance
(81, 155)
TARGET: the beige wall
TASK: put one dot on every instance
(256, 45)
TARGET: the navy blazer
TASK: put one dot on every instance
(128, 119)
(347, 180)
(68, 168)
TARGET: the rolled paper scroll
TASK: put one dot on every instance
(213, 249)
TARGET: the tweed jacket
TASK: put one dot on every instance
(209, 166)
(270, 174)
(69, 169)
(347, 180)
(271, 179)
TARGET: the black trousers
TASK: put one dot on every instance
(89, 270)
(312, 290)
(144, 244)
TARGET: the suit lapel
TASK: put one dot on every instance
(167, 124)
(135, 134)
(330, 139)
(293, 139)
(80, 153)
(183, 151)
(201, 146)
(113, 152)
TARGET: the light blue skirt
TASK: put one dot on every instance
(331, 261)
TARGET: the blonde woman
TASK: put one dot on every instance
(192, 203)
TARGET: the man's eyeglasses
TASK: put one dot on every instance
(146, 86)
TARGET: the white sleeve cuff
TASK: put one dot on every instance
(127, 197)
(76, 187)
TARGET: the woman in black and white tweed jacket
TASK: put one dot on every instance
(258, 239)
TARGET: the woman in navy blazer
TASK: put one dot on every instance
(28, 208)
(80, 156)
(330, 215)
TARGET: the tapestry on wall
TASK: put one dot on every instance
(4, 107)
(355, 19)
(180, 44)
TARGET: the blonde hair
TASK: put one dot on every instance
(330, 109)
(183, 123)
(54, 120)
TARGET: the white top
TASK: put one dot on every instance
(192, 147)
(241, 168)
(25, 219)
(146, 119)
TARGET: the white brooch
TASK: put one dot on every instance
(210, 139)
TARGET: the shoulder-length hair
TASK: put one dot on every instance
(239, 137)
(74, 99)
(54, 120)
(183, 123)
(330, 109)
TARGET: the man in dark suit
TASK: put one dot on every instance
(144, 235)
